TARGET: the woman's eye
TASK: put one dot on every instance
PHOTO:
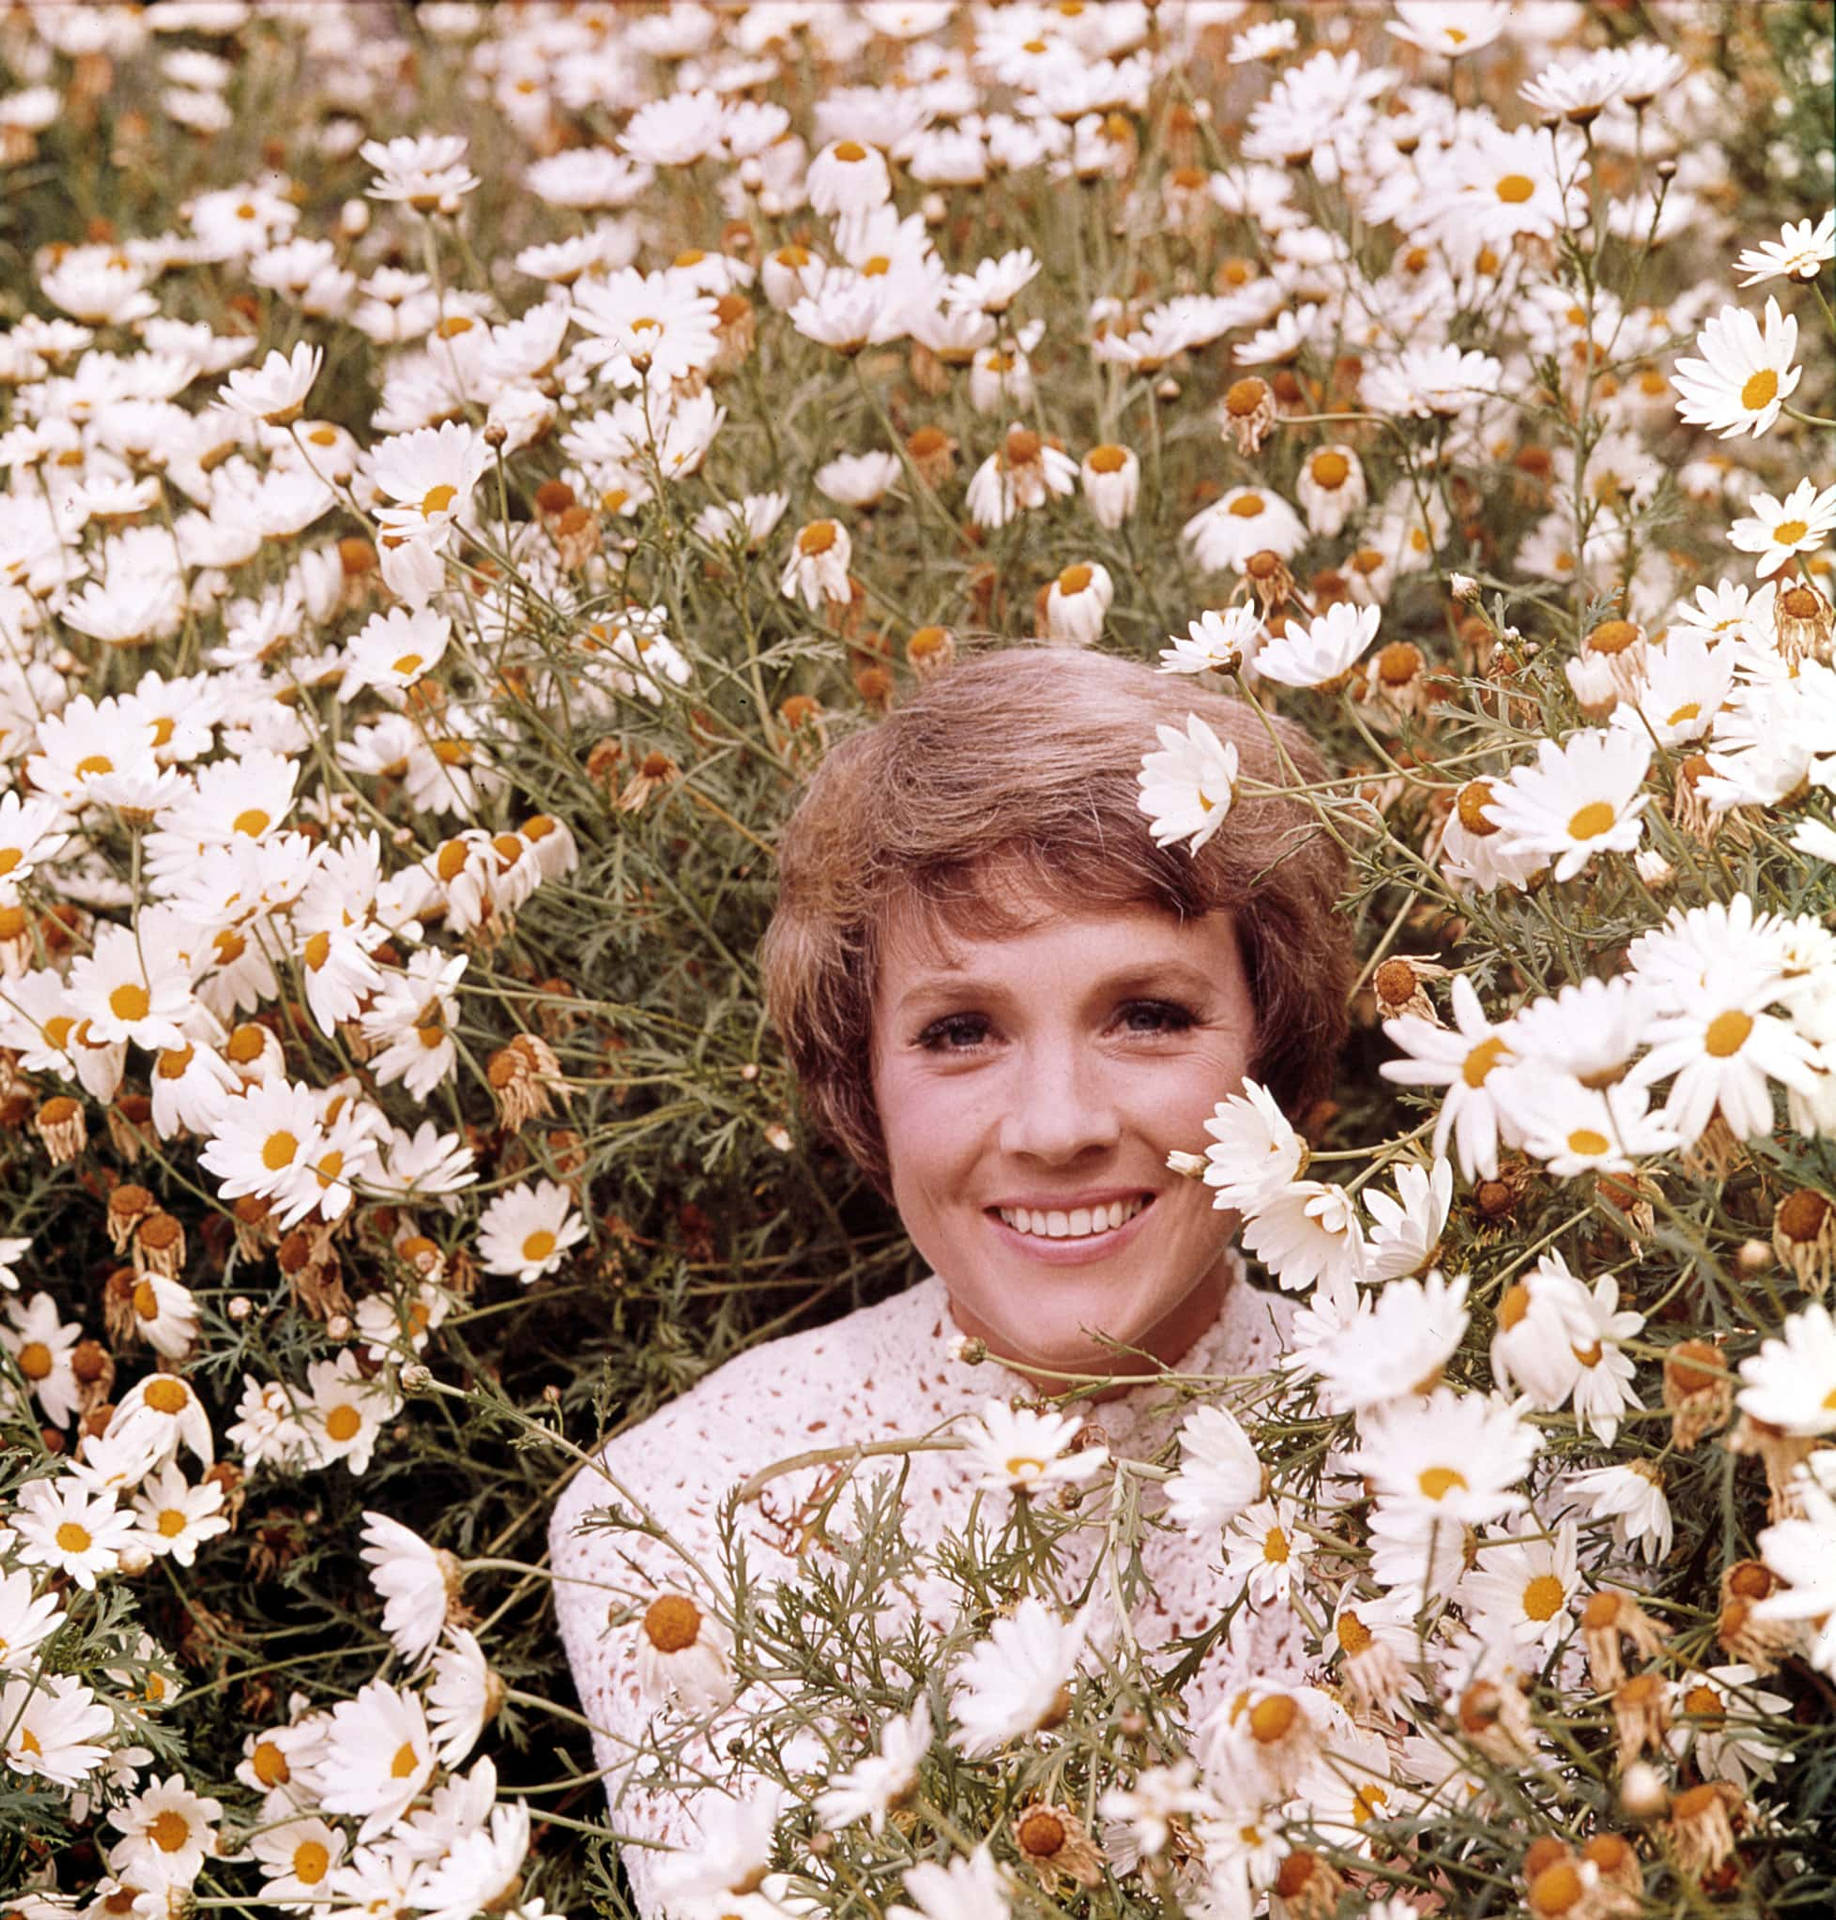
(1157, 1016)
(955, 1034)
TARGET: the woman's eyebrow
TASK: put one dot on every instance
(1160, 975)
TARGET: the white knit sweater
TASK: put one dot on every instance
(881, 1373)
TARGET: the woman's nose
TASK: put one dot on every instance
(1062, 1106)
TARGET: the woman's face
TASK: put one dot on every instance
(1052, 1072)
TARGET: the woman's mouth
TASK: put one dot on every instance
(1078, 1233)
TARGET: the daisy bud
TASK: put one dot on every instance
(1642, 1792)
(240, 1307)
(416, 1377)
(1698, 1392)
(354, 219)
(935, 209)
(778, 1137)
(1463, 587)
(1804, 1237)
(1190, 1165)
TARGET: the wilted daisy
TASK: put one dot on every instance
(1744, 375)
(682, 1654)
(528, 1230)
(1187, 787)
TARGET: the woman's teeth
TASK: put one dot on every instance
(1079, 1224)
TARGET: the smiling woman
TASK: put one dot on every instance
(1008, 1004)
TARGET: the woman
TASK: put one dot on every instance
(1008, 1005)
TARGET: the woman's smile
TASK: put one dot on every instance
(1071, 1235)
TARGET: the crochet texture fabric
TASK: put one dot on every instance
(882, 1372)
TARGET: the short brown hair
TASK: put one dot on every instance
(1024, 761)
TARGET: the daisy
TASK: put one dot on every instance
(1021, 476)
(528, 1230)
(1579, 799)
(1264, 1551)
(62, 1525)
(1111, 478)
(1216, 642)
(1242, 522)
(175, 1517)
(1306, 1232)
(1523, 1591)
(1714, 1723)
(1408, 1228)
(1791, 1382)
(1575, 1130)
(859, 479)
(1015, 1447)
(1076, 602)
(165, 1407)
(971, 1887)
(1331, 488)
(682, 1655)
(393, 650)
(275, 392)
(480, 1870)
(1428, 381)
(417, 1583)
(1219, 1472)
(1254, 1151)
(993, 285)
(1802, 1553)
(1463, 1061)
(168, 1832)
(424, 171)
(344, 1412)
(295, 1856)
(27, 1619)
(429, 475)
(848, 177)
(1603, 1383)
(817, 571)
(462, 1695)
(1577, 90)
(1725, 1051)
(1800, 523)
(53, 1727)
(1452, 1457)
(1158, 1797)
(1632, 1497)
(646, 328)
(1449, 27)
(42, 1346)
(1324, 652)
(29, 833)
(378, 1756)
(130, 988)
(1187, 787)
(1801, 251)
(265, 1143)
(1745, 374)
(1011, 1683)
(1386, 1345)
(732, 1850)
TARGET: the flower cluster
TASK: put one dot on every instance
(459, 469)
